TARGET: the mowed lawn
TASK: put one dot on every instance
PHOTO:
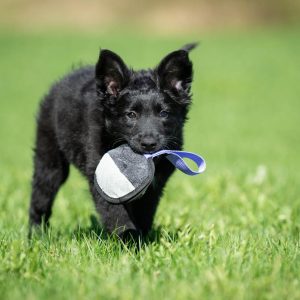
(230, 233)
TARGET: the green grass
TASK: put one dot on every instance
(231, 233)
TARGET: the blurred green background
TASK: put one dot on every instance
(231, 233)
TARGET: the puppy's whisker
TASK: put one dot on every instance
(117, 141)
(171, 142)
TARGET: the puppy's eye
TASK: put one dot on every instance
(164, 114)
(131, 115)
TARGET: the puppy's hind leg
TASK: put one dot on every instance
(51, 169)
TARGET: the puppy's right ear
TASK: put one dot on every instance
(111, 73)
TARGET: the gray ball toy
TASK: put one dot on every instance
(123, 175)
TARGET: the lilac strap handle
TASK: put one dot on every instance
(176, 158)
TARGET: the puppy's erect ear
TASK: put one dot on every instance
(175, 73)
(111, 73)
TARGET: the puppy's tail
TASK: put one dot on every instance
(189, 47)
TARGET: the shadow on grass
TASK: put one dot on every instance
(96, 231)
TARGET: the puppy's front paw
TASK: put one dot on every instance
(37, 229)
(130, 235)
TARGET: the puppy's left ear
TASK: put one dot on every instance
(175, 73)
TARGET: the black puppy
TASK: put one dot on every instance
(93, 110)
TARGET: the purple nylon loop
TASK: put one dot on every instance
(176, 158)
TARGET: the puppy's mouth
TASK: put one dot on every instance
(138, 148)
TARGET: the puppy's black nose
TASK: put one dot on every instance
(148, 143)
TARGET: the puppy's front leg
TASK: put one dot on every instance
(116, 218)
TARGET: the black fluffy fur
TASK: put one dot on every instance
(95, 109)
